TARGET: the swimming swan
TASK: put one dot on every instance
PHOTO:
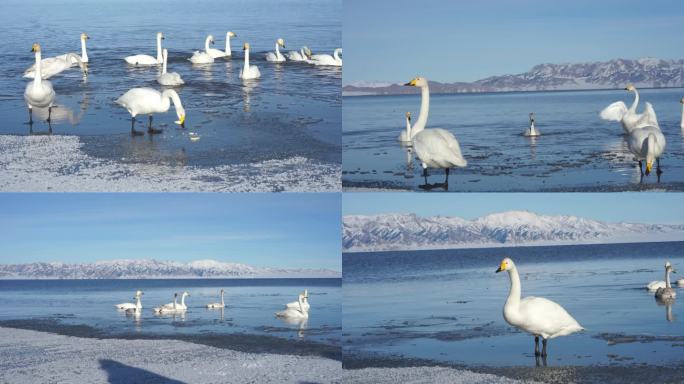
(276, 57)
(535, 315)
(216, 53)
(681, 122)
(300, 312)
(304, 54)
(200, 57)
(666, 292)
(168, 78)
(167, 308)
(405, 136)
(647, 144)
(56, 65)
(147, 101)
(628, 118)
(222, 304)
(147, 59)
(39, 93)
(326, 60)
(435, 147)
(135, 305)
(249, 71)
(305, 302)
(532, 130)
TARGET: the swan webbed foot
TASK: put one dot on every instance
(133, 131)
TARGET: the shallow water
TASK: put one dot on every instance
(293, 110)
(576, 152)
(446, 306)
(250, 306)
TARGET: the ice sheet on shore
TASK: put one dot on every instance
(415, 375)
(38, 357)
(57, 163)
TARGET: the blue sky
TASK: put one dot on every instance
(281, 230)
(468, 40)
(655, 208)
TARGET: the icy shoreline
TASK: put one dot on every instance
(57, 163)
(32, 356)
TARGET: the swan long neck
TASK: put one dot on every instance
(159, 49)
(247, 59)
(175, 301)
(424, 108)
(183, 300)
(138, 304)
(336, 54)
(301, 305)
(651, 146)
(277, 49)
(636, 101)
(681, 123)
(667, 278)
(84, 53)
(514, 294)
(206, 44)
(228, 50)
(408, 128)
(38, 78)
(222, 303)
(164, 65)
(170, 94)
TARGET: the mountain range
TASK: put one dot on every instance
(644, 72)
(141, 269)
(411, 232)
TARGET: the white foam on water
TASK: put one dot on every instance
(57, 163)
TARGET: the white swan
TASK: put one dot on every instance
(647, 144)
(222, 304)
(532, 130)
(170, 307)
(326, 60)
(135, 305)
(655, 285)
(147, 101)
(200, 57)
(305, 302)
(680, 283)
(628, 118)
(276, 57)
(435, 147)
(168, 78)
(182, 305)
(295, 313)
(405, 136)
(666, 292)
(216, 53)
(39, 93)
(147, 59)
(681, 122)
(55, 65)
(303, 54)
(249, 71)
(535, 315)
(84, 52)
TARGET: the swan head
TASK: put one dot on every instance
(506, 265)
(306, 293)
(186, 294)
(630, 88)
(408, 116)
(281, 42)
(245, 46)
(180, 112)
(35, 47)
(669, 267)
(231, 34)
(138, 293)
(682, 101)
(417, 82)
(84, 36)
(160, 36)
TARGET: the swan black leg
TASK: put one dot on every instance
(641, 168)
(151, 130)
(30, 115)
(658, 170)
(544, 348)
(133, 131)
(536, 346)
(49, 114)
(425, 186)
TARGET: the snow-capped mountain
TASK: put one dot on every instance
(410, 232)
(644, 72)
(140, 269)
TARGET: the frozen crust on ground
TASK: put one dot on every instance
(57, 163)
(38, 357)
(423, 375)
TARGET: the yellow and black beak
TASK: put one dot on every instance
(649, 166)
(501, 268)
(411, 83)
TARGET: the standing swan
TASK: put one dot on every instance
(628, 118)
(137, 304)
(532, 130)
(300, 312)
(216, 53)
(535, 315)
(56, 65)
(148, 101)
(435, 147)
(405, 136)
(666, 292)
(647, 143)
(168, 78)
(205, 57)
(326, 60)
(276, 57)
(147, 59)
(222, 304)
(39, 92)
(249, 71)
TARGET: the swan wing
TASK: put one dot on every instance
(547, 318)
(614, 112)
(437, 147)
(648, 118)
(141, 60)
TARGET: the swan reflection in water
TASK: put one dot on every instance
(667, 303)
(301, 324)
(58, 114)
(248, 87)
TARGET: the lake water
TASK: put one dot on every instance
(250, 306)
(576, 152)
(292, 111)
(446, 306)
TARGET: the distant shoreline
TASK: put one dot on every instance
(28, 278)
(432, 93)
